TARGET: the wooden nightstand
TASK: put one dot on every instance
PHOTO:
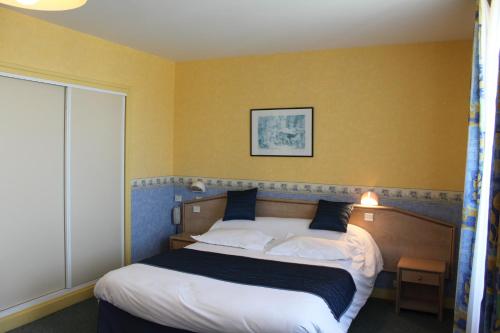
(180, 240)
(420, 285)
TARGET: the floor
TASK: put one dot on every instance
(376, 316)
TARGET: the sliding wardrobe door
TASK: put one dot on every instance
(95, 134)
(32, 190)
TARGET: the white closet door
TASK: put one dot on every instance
(32, 191)
(95, 184)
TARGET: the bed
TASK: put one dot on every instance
(148, 298)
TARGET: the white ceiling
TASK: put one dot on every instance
(200, 29)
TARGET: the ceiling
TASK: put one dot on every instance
(201, 29)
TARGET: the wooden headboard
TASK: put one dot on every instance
(397, 233)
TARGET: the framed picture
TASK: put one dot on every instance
(281, 132)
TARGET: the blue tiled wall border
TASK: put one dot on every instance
(302, 187)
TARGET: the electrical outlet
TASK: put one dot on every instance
(369, 217)
(196, 209)
(178, 198)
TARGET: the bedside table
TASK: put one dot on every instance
(180, 240)
(420, 285)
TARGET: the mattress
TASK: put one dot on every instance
(201, 304)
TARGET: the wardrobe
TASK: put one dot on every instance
(62, 188)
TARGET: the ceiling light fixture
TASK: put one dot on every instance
(48, 5)
(27, 2)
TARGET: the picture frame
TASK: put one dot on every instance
(282, 132)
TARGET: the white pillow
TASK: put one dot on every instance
(242, 238)
(277, 227)
(368, 258)
(313, 248)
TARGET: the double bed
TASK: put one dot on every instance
(200, 295)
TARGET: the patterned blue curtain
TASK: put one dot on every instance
(474, 170)
(490, 309)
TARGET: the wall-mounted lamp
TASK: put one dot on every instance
(48, 5)
(369, 199)
(198, 186)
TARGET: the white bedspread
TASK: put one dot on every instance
(202, 304)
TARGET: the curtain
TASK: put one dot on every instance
(474, 168)
(490, 309)
(478, 275)
(472, 189)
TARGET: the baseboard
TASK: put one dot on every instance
(44, 309)
(390, 295)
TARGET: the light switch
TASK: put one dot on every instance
(178, 198)
(196, 209)
(369, 217)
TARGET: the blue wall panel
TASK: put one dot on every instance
(151, 220)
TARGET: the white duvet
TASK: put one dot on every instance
(200, 304)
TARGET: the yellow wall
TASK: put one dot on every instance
(384, 116)
(37, 48)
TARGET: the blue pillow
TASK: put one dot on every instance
(332, 216)
(240, 205)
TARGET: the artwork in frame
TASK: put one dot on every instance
(281, 132)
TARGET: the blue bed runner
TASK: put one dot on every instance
(334, 285)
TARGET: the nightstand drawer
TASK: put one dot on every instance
(420, 277)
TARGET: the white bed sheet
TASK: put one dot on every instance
(202, 304)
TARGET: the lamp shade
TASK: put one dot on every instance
(369, 199)
(198, 186)
(48, 5)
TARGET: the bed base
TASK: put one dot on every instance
(114, 320)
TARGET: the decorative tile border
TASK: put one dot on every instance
(153, 181)
(296, 187)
